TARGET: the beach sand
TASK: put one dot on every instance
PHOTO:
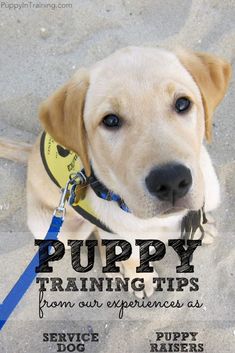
(40, 50)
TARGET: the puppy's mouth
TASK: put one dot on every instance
(172, 211)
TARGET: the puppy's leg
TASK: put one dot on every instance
(128, 267)
(101, 234)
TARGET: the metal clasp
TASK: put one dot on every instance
(75, 178)
(60, 210)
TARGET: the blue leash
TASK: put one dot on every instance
(29, 274)
(27, 277)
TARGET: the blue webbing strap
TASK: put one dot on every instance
(27, 277)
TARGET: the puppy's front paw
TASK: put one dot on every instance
(130, 272)
(136, 288)
(149, 285)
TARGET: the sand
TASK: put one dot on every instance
(41, 49)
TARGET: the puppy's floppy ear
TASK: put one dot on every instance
(62, 116)
(212, 76)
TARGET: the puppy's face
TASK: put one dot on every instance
(144, 119)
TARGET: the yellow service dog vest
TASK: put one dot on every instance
(59, 164)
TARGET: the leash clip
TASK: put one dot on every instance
(60, 210)
(74, 179)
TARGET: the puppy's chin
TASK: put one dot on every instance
(152, 214)
(172, 211)
(165, 209)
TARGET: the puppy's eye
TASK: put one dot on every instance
(111, 121)
(182, 104)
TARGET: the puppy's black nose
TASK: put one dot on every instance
(169, 182)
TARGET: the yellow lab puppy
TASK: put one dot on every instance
(137, 119)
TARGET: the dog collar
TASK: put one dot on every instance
(104, 193)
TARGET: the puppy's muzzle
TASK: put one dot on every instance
(169, 182)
